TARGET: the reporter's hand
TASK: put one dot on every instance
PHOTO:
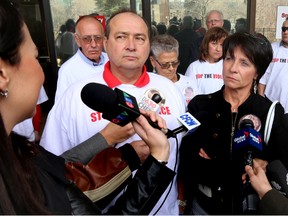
(141, 148)
(261, 163)
(154, 138)
(115, 134)
(258, 179)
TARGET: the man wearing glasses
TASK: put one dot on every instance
(89, 59)
(273, 84)
(214, 18)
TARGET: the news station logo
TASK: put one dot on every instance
(189, 121)
(128, 100)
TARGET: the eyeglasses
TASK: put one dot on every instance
(87, 39)
(213, 21)
(284, 29)
(168, 64)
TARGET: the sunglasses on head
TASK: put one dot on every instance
(284, 29)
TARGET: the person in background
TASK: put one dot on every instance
(161, 28)
(206, 72)
(214, 18)
(164, 58)
(127, 45)
(185, 37)
(29, 182)
(208, 187)
(241, 25)
(273, 84)
(68, 46)
(154, 30)
(88, 60)
(172, 29)
(58, 41)
(227, 25)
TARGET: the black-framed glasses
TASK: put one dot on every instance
(168, 64)
(284, 29)
(87, 39)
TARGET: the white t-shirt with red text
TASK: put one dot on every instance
(206, 76)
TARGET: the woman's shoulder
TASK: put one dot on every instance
(50, 163)
(205, 101)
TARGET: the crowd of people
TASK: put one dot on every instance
(223, 79)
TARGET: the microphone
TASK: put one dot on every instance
(121, 108)
(247, 141)
(116, 105)
(189, 124)
(278, 176)
(146, 103)
(247, 138)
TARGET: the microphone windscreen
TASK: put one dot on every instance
(156, 98)
(99, 97)
(278, 176)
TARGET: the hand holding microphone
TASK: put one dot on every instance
(121, 108)
(154, 138)
(258, 179)
(247, 142)
(114, 133)
(116, 106)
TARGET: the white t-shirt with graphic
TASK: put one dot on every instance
(276, 76)
(186, 87)
(206, 76)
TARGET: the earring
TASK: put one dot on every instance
(4, 93)
(255, 86)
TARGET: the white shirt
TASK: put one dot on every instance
(206, 76)
(71, 122)
(78, 67)
(186, 87)
(276, 76)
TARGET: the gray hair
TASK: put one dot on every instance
(214, 11)
(164, 43)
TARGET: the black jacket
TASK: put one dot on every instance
(273, 203)
(223, 172)
(62, 197)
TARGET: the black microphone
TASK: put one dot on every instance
(277, 175)
(247, 142)
(116, 106)
(150, 102)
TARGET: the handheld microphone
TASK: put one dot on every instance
(121, 108)
(189, 124)
(116, 106)
(246, 142)
(277, 175)
(146, 103)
